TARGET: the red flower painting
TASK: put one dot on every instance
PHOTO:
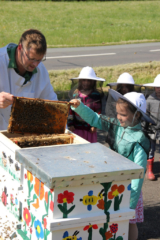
(52, 205)
(46, 197)
(27, 216)
(94, 226)
(115, 191)
(114, 228)
(65, 197)
(45, 223)
(100, 204)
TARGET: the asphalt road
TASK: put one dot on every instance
(68, 58)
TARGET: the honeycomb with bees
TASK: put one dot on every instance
(39, 122)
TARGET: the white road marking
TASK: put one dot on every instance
(75, 56)
(156, 50)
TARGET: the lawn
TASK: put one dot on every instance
(81, 23)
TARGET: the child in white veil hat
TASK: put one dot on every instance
(125, 84)
(89, 95)
(153, 110)
(127, 139)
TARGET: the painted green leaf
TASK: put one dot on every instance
(31, 188)
(61, 208)
(120, 200)
(119, 238)
(108, 204)
(47, 232)
(71, 209)
(102, 232)
(22, 234)
(32, 219)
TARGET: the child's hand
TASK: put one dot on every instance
(93, 129)
(71, 128)
(75, 102)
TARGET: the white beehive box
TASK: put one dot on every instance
(12, 176)
(73, 192)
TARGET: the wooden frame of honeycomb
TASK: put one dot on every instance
(43, 121)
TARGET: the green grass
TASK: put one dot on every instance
(141, 72)
(81, 23)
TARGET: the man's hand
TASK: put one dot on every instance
(71, 128)
(6, 99)
(75, 102)
(93, 129)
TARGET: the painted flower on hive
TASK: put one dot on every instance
(29, 182)
(51, 206)
(16, 201)
(11, 199)
(39, 229)
(46, 197)
(45, 223)
(100, 204)
(89, 228)
(39, 188)
(46, 231)
(114, 228)
(129, 187)
(114, 193)
(30, 230)
(27, 216)
(64, 198)
(29, 176)
(48, 203)
(108, 235)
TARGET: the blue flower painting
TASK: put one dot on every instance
(39, 229)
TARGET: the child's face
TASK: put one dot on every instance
(87, 84)
(124, 115)
(124, 89)
(157, 90)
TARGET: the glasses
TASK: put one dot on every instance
(34, 60)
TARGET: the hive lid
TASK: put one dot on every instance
(77, 165)
(39, 116)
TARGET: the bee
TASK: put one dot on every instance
(73, 237)
(91, 199)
